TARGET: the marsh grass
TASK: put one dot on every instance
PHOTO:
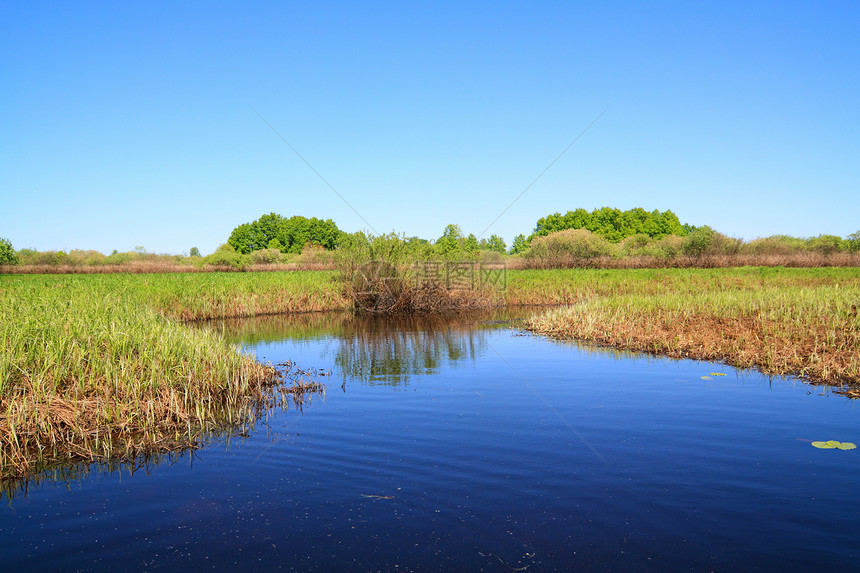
(801, 322)
(387, 275)
(90, 370)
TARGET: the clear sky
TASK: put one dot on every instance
(131, 124)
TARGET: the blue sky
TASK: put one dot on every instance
(136, 124)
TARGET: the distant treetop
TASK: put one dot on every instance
(287, 235)
(614, 224)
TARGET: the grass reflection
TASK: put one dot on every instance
(380, 350)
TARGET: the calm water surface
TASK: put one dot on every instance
(470, 446)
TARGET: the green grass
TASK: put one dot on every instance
(565, 286)
(89, 361)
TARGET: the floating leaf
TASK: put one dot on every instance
(717, 374)
(834, 445)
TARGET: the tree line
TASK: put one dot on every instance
(633, 232)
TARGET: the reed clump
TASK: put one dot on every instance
(90, 371)
(799, 323)
(387, 275)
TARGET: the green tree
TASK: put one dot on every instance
(521, 245)
(449, 243)
(293, 233)
(613, 224)
(7, 253)
(241, 239)
(470, 245)
(853, 241)
(195, 252)
(497, 244)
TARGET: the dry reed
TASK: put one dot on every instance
(811, 330)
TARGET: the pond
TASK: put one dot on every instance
(469, 445)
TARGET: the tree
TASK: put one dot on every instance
(449, 242)
(497, 244)
(293, 234)
(521, 245)
(470, 245)
(614, 224)
(853, 242)
(195, 252)
(7, 253)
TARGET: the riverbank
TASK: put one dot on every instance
(94, 366)
(779, 321)
(101, 366)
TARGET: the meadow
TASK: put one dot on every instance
(103, 365)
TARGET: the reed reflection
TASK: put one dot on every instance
(380, 350)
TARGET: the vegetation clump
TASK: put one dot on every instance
(389, 274)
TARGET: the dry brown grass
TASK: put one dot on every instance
(809, 331)
(146, 267)
(794, 260)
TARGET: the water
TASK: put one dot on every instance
(469, 446)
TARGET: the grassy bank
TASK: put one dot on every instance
(97, 366)
(94, 366)
(781, 321)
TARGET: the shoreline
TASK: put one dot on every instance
(90, 360)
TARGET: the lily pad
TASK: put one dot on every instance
(834, 445)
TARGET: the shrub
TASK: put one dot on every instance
(563, 246)
(80, 257)
(116, 258)
(635, 245)
(226, 256)
(7, 253)
(853, 241)
(700, 242)
(668, 247)
(826, 244)
(265, 256)
(775, 245)
(316, 254)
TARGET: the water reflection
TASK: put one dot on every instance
(66, 475)
(380, 350)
